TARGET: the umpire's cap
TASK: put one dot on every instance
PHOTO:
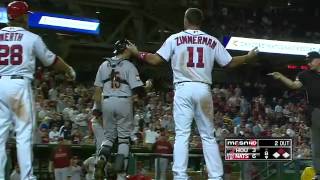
(120, 46)
(312, 55)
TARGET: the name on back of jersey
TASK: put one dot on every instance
(196, 40)
(11, 36)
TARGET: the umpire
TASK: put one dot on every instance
(116, 81)
(310, 80)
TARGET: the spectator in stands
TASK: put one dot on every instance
(65, 130)
(196, 142)
(54, 135)
(290, 132)
(59, 162)
(44, 136)
(89, 165)
(88, 139)
(244, 105)
(227, 170)
(45, 111)
(44, 90)
(277, 133)
(69, 108)
(257, 129)
(138, 117)
(15, 175)
(76, 136)
(168, 122)
(237, 119)
(61, 103)
(81, 120)
(162, 146)
(53, 94)
(150, 135)
(234, 100)
(45, 123)
(75, 169)
(56, 120)
(239, 129)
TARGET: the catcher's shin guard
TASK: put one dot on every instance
(119, 164)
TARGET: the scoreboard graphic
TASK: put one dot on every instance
(258, 149)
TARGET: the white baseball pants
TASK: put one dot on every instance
(193, 100)
(16, 107)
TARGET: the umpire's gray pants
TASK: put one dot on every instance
(315, 131)
(117, 119)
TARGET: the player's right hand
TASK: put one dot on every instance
(133, 49)
(275, 75)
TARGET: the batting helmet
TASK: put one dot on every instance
(16, 9)
(120, 46)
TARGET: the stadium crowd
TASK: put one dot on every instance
(286, 24)
(64, 112)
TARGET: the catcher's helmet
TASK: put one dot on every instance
(120, 46)
(312, 55)
(16, 9)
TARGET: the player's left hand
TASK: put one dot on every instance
(253, 53)
(71, 74)
(133, 49)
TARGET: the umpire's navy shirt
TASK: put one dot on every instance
(311, 82)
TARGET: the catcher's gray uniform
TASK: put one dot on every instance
(117, 78)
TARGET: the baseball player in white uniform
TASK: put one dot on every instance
(19, 49)
(192, 54)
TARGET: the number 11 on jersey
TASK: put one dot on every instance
(200, 63)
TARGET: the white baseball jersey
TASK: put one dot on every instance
(18, 51)
(192, 54)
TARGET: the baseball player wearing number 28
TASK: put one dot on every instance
(192, 54)
(19, 49)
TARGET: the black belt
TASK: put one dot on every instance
(191, 81)
(15, 77)
(105, 97)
